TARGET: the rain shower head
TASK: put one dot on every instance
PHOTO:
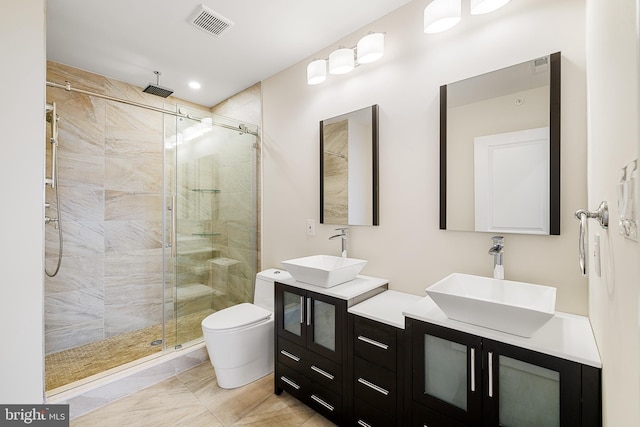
(156, 89)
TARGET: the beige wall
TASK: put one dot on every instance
(22, 38)
(612, 51)
(408, 248)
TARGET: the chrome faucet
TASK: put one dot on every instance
(343, 237)
(497, 251)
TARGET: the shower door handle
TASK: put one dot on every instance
(173, 228)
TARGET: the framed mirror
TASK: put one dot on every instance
(500, 150)
(349, 168)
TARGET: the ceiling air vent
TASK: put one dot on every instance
(210, 21)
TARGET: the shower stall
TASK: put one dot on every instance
(159, 213)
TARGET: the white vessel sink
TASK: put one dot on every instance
(514, 307)
(324, 270)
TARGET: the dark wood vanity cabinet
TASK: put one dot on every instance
(458, 379)
(310, 347)
(376, 368)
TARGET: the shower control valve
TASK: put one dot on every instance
(48, 220)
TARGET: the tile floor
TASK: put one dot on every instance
(192, 398)
(77, 363)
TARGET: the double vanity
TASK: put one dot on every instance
(361, 354)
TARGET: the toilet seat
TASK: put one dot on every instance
(239, 316)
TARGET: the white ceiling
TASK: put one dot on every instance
(129, 39)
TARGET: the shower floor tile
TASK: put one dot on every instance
(68, 366)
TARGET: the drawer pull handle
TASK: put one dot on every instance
(363, 424)
(373, 386)
(291, 383)
(373, 342)
(290, 356)
(322, 402)
(322, 372)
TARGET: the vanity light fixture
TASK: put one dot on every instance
(440, 15)
(370, 48)
(479, 7)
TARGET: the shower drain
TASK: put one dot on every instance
(156, 342)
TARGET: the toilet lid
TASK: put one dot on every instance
(237, 316)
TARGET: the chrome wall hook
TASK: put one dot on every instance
(602, 215)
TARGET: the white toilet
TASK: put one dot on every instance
(240, 338)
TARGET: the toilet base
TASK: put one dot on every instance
(242, 375)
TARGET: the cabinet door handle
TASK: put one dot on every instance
(322, 372)
(363, 424)
(290, 356)
(291, 383)
(490, 374)
(308, 311)
(322, 402)
(373, 386)
(301, 309)
(473, 369)
(373, 342)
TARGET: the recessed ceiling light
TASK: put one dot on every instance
(195, 85)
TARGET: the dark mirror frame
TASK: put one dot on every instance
(375, 220)
(554, 149)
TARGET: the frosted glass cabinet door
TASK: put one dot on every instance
(324, 324)
(445, 374)
(293, 312)
(447, 368)
(525, 388)
(541, 386)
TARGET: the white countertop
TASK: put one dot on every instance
(567, 336)
(386, 307)
(346, 291)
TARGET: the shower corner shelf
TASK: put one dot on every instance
(205, 234)
(205, 190)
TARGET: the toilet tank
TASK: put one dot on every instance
(264, 286)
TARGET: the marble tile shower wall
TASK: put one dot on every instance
(217, 197)
(237, 219)
(110, 183)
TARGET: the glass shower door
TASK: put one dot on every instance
(212, 213)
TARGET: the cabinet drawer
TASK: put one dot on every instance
(292, 381)
(321, 399)
(375, 342)
(325, 402)
(422, 416)
(375, 385)
(366, 415)
(317, 369)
